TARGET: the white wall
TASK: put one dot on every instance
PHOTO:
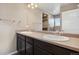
(70, 21)
(7, 38)
(18, 16)
(35, 19)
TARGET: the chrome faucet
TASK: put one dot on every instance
(60, 32)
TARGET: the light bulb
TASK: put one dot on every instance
(29, 6)
(32, 7)
(36, 5)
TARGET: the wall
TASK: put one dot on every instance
(16, 17)
(35, 19)
(70, 21)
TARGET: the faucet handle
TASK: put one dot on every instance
(61, 32)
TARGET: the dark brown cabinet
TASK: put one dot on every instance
(24, 45)
(21, 44)
(32, 46)
(53, 49)
(29, 46)
(39, 51)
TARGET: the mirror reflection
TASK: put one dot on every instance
(51, 23)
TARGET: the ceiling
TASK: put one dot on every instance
(56, 8)
(52, 8)
(68, 6)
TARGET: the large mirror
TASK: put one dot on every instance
(70, 17)
(67, 20)
(51, 23)
(51, 20)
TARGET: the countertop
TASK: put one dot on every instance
(72, 43)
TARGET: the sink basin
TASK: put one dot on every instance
(56, 38)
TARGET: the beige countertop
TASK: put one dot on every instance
(72, 43)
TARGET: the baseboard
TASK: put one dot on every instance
(12, 53)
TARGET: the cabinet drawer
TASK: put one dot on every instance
(53, 49)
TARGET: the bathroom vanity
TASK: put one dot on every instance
(33, 43)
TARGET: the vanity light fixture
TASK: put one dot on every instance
(32, 5)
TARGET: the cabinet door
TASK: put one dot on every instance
(29, 46)
(29, 49)
(53, 49)
(38, 51)
(21, 44)
(29, 40)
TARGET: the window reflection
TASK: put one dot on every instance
(57, 22)
(51, 22)
(54, 23)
